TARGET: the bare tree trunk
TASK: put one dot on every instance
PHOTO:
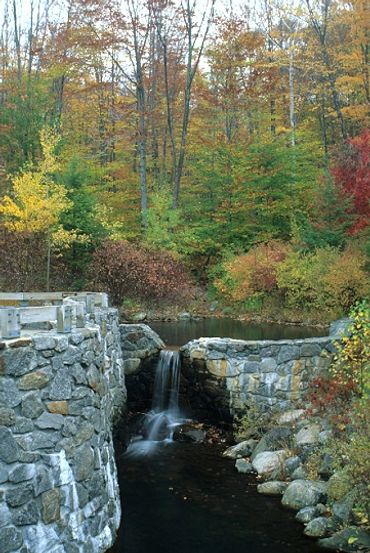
(291, 99)
(320, 28)
(142, 155)
(191, 68)
(17, 41)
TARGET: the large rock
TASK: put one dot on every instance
(243, 466)
(274, 487)
(292, 463)
(342, 510)
(306, 514)
(269, 463)
(298, 474)
(309, 434)
(347, 540)
(291, 416)
(339, 485)
(317, 527)
(243, 449)
(275, 439)
(303, 493)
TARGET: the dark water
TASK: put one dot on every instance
(186, 498)
(181, 332)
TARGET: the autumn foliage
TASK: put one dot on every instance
(325, 279)
(352, 177)
(126, 270)
(252, 273)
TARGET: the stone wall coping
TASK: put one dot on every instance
(214, 342)
(31, 336)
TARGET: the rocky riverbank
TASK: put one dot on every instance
(204, 309)
(283, 458)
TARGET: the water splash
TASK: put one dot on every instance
(164, 416)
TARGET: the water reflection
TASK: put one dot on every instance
(181, 332)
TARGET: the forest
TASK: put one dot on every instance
(185, 152)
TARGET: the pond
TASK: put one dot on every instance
(178, 333)
(187, 498)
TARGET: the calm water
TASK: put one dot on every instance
(187, 498)
(181, 332)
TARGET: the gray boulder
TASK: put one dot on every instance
(342, 510)
(349, 540)
(308, 435)
(303, 493)
(276, 439)
(274, 487)
(298, 474)
(317, 527)
(306, 514)
(243, 449)
(269, 463)
(291, 416)
(243, 466)
(292, 463)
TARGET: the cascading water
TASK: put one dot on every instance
(164, 415)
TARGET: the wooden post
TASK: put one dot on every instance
(10, 326)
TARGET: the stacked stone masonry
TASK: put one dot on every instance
(222, 374)
(59, 394)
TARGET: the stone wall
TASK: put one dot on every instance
(140, 350)
(58, 396)
(222, 374)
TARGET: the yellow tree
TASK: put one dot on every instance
(37, 201)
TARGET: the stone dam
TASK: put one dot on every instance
(62, 393)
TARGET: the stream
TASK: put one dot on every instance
(186, 497)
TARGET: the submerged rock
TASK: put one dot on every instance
(303, 493)
(243, 449)
(243, 466)
(187, 433)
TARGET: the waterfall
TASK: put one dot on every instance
(164, 415)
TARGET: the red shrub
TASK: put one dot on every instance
(124, 269)
(352, 176)
(331, 398)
